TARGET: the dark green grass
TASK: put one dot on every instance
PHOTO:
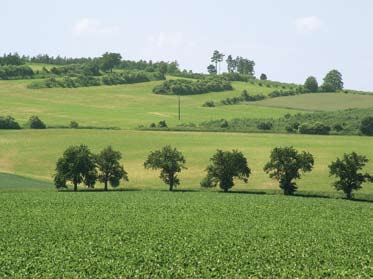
(156, 234)
(11, 182)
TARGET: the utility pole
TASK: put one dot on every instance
(178, 100)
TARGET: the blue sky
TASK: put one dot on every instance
(288, 40)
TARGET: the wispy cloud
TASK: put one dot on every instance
(93, 27)
(308, 24)
(170, 40)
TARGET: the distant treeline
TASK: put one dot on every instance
(126, 77)
(191, 87)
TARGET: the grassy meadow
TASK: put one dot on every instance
(125, 106)
(320, 102)
(33, 153)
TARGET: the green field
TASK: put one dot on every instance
(34, 153)
(320, 102)
(125, 106)
(143, 231)
(183, 235)
(15, 183)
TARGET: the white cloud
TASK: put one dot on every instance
(308, 24)
(170, 40)
(93, 27)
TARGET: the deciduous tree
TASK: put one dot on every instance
(286, 164)
(170, 161)
(347, 170)
(110, 171)
(225, 167)
(76, 165)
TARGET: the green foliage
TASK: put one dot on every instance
(110, 171)
(263, 77)
(333, 82)
(8, 122)
(366, 126)
(189, 87)
(244, 97)
(109, 60)
(170, 161)
(151, 234)
(35, 123)
(16, 72)
(208, 104)
(286, 164)
(207, 182)
(225, 167)
(314, 129)
(162, 124)
(266, 125)
(217, 58)
(211, 69)
(11, 59)
(76, 165)
(74, 125)
(311, 85)
(125, 77)
(347, 171)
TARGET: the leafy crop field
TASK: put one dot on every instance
(175, 235)
(34, 153)
(320, 102)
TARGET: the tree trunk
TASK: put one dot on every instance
(105, 185)
(75, 186)
(225, 190)
(171, 187)
(349, 195)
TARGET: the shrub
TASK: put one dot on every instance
(190, 87)
(292, 127)
(74, 125)
(152, 125)
(15, 72)
(209, 104)
(162, 124)
(207, 182)
(366, 126)
(35, 123)
(314, 129)
(267, 125)
(224, 124)
(8, 122)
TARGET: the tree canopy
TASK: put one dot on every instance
(76, 165)
(311, 84)
(109, 60)
(287, 164)
(225, 167)
(333, 81)
(347, 170)
(110, 171)
(170, 161)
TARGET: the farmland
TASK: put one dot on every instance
(175, 235)
(34, 153)
(140, 230)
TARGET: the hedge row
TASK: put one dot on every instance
(190, 87)
(109, 79)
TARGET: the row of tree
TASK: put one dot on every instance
(239, 64)
(333, 82)
(79, 165)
